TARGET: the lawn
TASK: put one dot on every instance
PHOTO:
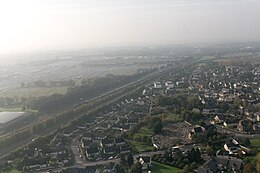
(141, 146)
(161, 168)
(144, 131)
(172, 117)
(255, 142)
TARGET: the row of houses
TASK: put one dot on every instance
(221, 164)
(105, 147)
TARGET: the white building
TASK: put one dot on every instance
(169, 85)
(157, 85)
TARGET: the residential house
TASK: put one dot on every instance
(110, 150)
(229, 164)
(55, 151)
(209, 167)
(92, 152)
(245, 126)
(119, 141)
(107, 142)
(88, 136)
(145, 161)
(124, 149)
(196, 130)
(157, 85)
(221, 164)
(85, 143)
(169, 84)
(98, 136)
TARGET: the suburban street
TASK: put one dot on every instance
(236, 133)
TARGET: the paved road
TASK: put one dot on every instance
(75, 141)
(103, 162)
(75, 151)
(84, 163)
(236, 133)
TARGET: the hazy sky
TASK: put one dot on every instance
(32, 25)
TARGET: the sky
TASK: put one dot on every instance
(39, 25)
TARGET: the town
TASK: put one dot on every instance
(202, 118)
(130, 86)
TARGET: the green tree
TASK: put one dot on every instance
(249, 168)
(136, 168)
(119, 169)
(157, 128)
(194, 155)
(53, 162)
(247, 142)
(193, 166)
(209, 150)
(197, 155)
(23, 107)
(122, 159)
(237, 102)
(193, 102)
(186, 169)
(258, 162)
(130, 159)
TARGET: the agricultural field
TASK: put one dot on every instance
(161, 168)
(15, 108)
(34, 92)
(11, 108)
(68, 66)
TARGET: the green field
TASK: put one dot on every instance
(12, 108)
(11, 171)
(141, 146)
(35, 92)
(161, 168)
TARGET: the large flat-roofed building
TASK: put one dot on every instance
(8, 118)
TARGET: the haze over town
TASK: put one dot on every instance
(29, 25)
